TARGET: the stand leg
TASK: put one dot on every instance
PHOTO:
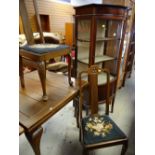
(21, 74)
(69, 70)
(42, 75)
(34, 139)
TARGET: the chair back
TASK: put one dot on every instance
(92, 74)
(26, 22)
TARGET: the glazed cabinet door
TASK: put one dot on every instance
(83, 43)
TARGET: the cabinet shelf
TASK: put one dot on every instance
(98, 59)
(98, 39)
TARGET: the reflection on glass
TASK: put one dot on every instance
(84, 29)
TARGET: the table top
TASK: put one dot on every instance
(33, 112)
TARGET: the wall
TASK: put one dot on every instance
(59, 14)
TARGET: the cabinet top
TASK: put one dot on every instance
(100, 9)
(101, 5)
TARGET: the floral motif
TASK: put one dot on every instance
(98, 126)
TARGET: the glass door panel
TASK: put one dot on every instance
(83, 40)
(84, 29)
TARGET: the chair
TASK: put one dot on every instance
(36, 55)
(97, 130)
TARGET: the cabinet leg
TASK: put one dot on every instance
(34, 139)
(21, 74)
(42, 75)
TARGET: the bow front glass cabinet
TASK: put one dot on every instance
(99, 35)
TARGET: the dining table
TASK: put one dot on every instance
(34, 112)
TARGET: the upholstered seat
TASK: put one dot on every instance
(91, 137)
(44, 48)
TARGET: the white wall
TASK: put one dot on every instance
(83, 2)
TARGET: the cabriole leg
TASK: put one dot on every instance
(34, 139)
(42, 75)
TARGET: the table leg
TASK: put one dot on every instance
(69, 70)
(42, 75)
(34, 139)
(21, 74)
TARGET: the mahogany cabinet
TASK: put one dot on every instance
(99, 35)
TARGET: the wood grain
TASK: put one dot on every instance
(32, 110)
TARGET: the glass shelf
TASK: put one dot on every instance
(98, 59)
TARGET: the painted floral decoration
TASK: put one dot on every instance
(98, 126)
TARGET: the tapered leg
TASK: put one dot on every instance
(21, 74)
(124, 148)
(34, 139)
(69, 70)
(42, 75)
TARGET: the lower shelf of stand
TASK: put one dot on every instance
(98, 59)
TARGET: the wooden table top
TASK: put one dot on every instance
(33, 112)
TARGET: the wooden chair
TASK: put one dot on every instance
(36, 55)
(96, 130)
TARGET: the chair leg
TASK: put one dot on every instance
(124, 148)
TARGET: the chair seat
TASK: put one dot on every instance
(44, 48)
(99, 129)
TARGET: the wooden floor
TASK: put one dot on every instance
(32, 110)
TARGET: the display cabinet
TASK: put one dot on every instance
(99, 34)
